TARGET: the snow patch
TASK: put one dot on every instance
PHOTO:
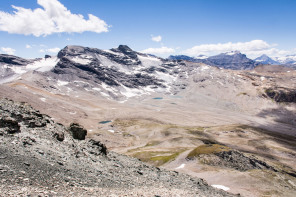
(221, 187)
(220, 83)
(148, 61)
(181, 166)
(80, 60)
(111, 131)
(105, 94)
(43, 65)
(43, 99)
(97, 89)
(62, 83)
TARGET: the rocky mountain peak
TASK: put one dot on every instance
(124, 48)
(264, 59)
(71, 50)
(236, 52)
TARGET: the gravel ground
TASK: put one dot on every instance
(40, 157)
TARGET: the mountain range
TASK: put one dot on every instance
(226, 119)
(237, 61)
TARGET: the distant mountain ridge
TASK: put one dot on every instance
(235, 60)
(264, 59)
(232, 60)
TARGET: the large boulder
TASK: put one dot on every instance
(77, 131)
(9, 124)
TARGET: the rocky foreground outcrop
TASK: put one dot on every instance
(281, 94)
(41, 157)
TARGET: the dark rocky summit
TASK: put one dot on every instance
(40, 157)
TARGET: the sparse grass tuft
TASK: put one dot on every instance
(152, 143)
(242, 93)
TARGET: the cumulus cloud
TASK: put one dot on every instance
(161, 50)
(252, 49)
(156, 38)
(7, 50)
(254, 45)
(28, 46)
(53, 17)
(52, 50)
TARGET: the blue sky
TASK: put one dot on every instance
(160, 27)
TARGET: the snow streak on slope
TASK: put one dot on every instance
(41, 65)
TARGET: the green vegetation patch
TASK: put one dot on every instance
(207, 149)
(157, 158)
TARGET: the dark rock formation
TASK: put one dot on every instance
(281, 94)
(237, 160)
(9, 124)
(77, 131)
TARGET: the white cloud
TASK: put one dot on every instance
(161, 50)
(52, 50)
(7, 50)
(53, 18)
(156, 38)
(28, 46)
(252, 49)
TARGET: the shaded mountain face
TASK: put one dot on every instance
(93, 64)
(182, 57)
(233, 60)
(13, 60)
(264, 59)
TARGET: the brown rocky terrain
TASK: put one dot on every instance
(40, 157)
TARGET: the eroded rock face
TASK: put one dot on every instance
(77, 131)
